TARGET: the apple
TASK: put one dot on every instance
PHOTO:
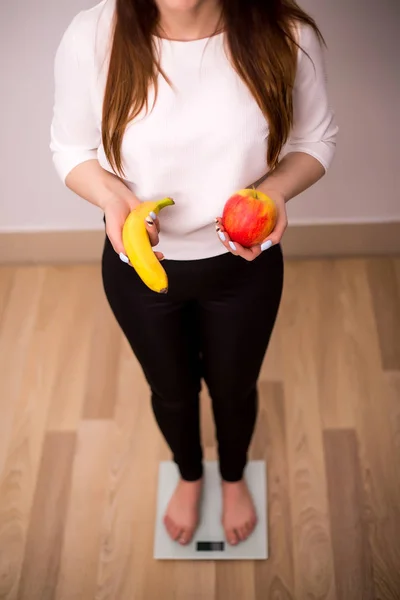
(249, 216)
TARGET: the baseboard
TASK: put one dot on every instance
(300, 241)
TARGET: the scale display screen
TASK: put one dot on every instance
(210, 546)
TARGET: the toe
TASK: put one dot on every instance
(167, 524)
(176, 532)
(185, 537)
(232, 537)
(171, 531)
(248, 530)
(251, 525)
(243, 533)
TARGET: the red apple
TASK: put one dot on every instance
(249, 217)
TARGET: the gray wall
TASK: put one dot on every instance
(363, 184)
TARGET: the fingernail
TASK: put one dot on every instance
(124, 258)
(217, 228)
(232, 245)
(222, 236)
(266, 245)
(149, 221)
(153, 215)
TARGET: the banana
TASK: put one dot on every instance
(138, 248)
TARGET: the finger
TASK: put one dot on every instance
(248, 254)
(277, 234)
(223, 236)
(114, 235)
(235, 248)
(126, 260)
(152, 229)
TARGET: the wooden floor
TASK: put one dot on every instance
(79, 449)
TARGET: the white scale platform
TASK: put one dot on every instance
(209, 541)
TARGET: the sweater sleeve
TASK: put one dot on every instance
(314, 128)
(75, 135)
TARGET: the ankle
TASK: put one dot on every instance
(233, 484)
(190, 482)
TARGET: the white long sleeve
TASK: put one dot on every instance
(204, 139)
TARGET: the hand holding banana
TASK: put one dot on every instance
(138, 246)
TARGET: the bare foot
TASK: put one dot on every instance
(239, 515)
(182, 514)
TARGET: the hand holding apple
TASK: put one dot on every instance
(252, 222)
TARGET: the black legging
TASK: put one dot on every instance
(215, 323)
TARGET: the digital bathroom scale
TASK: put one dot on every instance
(209, 541)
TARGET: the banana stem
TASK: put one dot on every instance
(165, 202)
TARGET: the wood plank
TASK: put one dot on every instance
(393, 386)
(41, 564)
(351, 549)
(31, 408)
(274, 577)
(195, 582)
(18, 321)
(15, 478)
(386, 303)
(77, 290)
(272, 369)
(333, 369)
(6, 283)
(106, 339)
(235, 580)
(146, 578)
(312, 545)
(206, 421)
(127, 527)
(371, 406)
(396, 266)
(81, 548)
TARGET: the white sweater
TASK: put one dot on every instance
(204, 140)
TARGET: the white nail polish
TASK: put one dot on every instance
(124, 258)
(222, 236)
(266, 245)
(153, 215)
(232, 245)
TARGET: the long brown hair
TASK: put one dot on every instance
(263, 49)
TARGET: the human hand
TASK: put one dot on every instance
(274, 238)
(116, 210)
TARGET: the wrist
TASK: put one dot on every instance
(273, 190)
(114, 191)
(117, 197)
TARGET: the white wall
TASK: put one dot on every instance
(362, 185)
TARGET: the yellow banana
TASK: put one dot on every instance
(138, 248)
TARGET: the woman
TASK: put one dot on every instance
(194, 99)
